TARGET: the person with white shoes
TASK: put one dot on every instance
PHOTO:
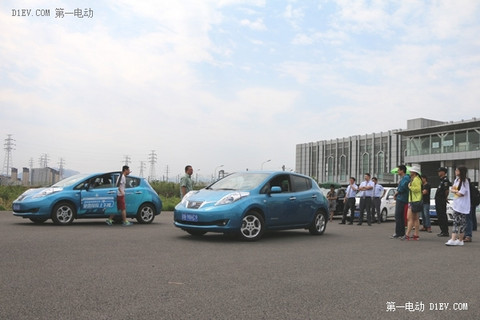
(461, 206)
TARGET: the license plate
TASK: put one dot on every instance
(189, 217)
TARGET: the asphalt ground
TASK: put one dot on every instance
(92, 271)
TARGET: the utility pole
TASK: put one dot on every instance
(142, 166)
(43, 160)
(127, 160)
(31, 171)
(8, 161)
(152, 159)
(167, 171)
(61, 164)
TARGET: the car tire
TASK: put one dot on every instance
(384, 215)
(146, 213)
(63, 213)
(38, 220)
(196, 233)
(319, 223)
(253, 226)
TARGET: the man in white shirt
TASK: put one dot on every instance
(121, 182)
(366, 192)
(349, 201)
(378, 192)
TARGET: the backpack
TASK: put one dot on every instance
(474, 196)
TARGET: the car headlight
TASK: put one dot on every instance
(46, 192)
(232, 197)
(188, 195)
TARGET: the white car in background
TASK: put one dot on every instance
(433, 212)
(387, 206)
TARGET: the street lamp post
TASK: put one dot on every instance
(265, 162)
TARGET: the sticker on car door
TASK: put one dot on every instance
(98, 203)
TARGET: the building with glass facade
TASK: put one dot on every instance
(427, 143)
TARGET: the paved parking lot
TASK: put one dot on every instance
(91, 271)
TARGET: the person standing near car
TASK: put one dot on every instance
(349, 201)
(378, 193)
(401, 205)
(441, 199)
(415, 203)
(332, 201)
(366, 189)
(186, 182)
(473, 212)
(121, 182)
(427, 225)
(461, 206)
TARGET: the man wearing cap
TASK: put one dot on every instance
(441, 198)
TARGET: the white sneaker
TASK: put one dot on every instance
(451, 242)
(460, 243)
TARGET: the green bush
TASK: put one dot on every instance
(8, 194)
(169, 192)
(169, 203)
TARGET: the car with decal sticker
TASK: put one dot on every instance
(86, 196)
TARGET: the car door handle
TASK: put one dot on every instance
(314, 196)
(111, 192)
(293, 198)
(138, 192)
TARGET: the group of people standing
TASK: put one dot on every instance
(413, 200)
(370, 193)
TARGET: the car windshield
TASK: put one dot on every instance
(239, 181)
(70, 181)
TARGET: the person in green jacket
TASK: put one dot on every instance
(415, 203)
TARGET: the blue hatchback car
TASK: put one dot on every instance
(88, 196)
(248, 203)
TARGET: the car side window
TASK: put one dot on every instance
(132, 182)
(391, 193)
(101, 182)
(301, 183)
(281, 181)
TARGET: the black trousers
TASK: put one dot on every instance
(441, 208)
(350, 204)
(366, 204)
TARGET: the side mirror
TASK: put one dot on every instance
(86, 186)
(276, 189)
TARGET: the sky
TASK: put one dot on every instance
(228, 84)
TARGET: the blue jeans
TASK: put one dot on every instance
(426, 216)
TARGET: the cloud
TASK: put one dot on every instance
(257, 25)
(294, 16)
